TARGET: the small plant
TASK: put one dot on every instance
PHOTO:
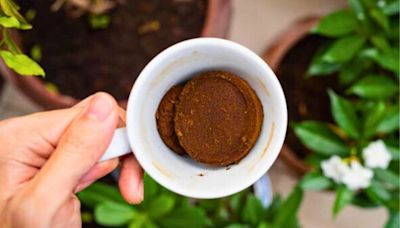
(13, 57)
(244, 210)
(162, 208)
(358, 155)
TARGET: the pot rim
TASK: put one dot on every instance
(216, 24)
(273, 56)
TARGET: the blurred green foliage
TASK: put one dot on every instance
(363, 50)
(162, 208)
(10, 18)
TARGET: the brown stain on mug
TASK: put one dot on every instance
(263, 87)
(269, 140)
(271, 135)
(175, 64)
(161, 170)
(170, 67)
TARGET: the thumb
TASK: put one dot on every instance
(79, 149)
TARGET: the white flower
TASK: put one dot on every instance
(358, 177)
(376, 155)
(335, 168)
(354, 176)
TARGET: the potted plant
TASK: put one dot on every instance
(86, 46)
(162, 208)
(12, 56)
(353, 149)
(290, 58)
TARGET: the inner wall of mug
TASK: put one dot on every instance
(176, 65)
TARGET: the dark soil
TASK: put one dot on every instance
(307, 98)
(81, 60)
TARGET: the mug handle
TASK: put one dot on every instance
(119, 145)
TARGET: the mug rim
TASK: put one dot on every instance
(136, 92)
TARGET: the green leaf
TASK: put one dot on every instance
(161, 206)
(263, 225)
(343, 197)
(343, 49)
(380, 18)
(182, 201)
(314, 160)
(390, 121)
(150, 187)
(99, 193)
(252, 211)
(394, 220)
(9, 8)
(10, 42)
(362, 200)
(336, 24)
(393, 146)
(222, 214)
(138, 221)
(388, 177)
(113, 214)
(391, 8)
(149, 224)
(236, 202)
(9, 22)
(388, 60)
(394, 202)
(315, 181)
(380, 42)
(288, 211)
(237, 225)
(209, 205)
(185, 217)
(344, 114)
(319, 138)
(273, 208)
(357, 6)
(354, 69)
(319, 67)
(374, 114)
(374, 87)
(21, 64)
(377, 193)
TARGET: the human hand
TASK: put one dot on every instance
(45, 158)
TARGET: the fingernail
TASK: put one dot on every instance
(100, 106)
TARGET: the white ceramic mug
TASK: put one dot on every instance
(181, 174)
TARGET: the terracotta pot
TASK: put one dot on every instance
(216, 25)
(273, 56)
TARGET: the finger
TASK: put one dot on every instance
(84, 102)
(96, 172)
(79, 149)
(51, 125)
(131, 180)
